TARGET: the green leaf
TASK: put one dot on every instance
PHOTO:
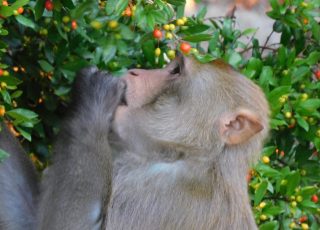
(308, 204)
(278, 92)
(273, 210)
(3, 154)
(24, 133)
(234, 59)
(266, 77)
(23, 114)
(272, 225)
(26, 22)
(204, 58)
(293, 181)
(309, 105)
(38, 9)
(299, 73)
(196, 29)
(198, 37)
(45, 66)
(302, 123)
(177, 2)
(267, 171)
(260, 192)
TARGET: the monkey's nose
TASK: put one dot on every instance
(134, 72)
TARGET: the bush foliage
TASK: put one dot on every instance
(44, 43)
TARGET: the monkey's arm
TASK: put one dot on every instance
(18, 186)
(77, 186)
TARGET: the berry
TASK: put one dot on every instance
(48, 5)
(127, 12)
(66, 19)
(266, 159)
(157, 52)
(304, 4)
(15, 13)
(318, 133)
(288, 115)
(15, 68)
(3, 85)
(5, 3)
(74, 25)
(185, 19)
(171, 54)
(299, 198)
(96, 24)
(303, 219)
(292, 225)
(169, 35)
(305, 21)
(113, 24)
(2, 110)
(180, 22)
(293, 204)
(172, 27)
(304, 226)
(20, 10)
(157, 34)
(304, 96)
(263, 217)
(317, 73)
(262, 205)
(185, 47)
(166, 27)
(5, 73)
(315, 198)
(1, 72)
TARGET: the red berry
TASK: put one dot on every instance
(303, 219)
(185, 47)
(74, 25)
(157, 34)
(317, 73)
(48, 5)
(20, 10)
(1, 72)
(315, 198)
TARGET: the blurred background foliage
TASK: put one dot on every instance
(44, 43)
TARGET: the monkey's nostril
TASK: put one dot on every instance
(133, 73)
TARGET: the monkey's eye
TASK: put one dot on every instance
(176, 70)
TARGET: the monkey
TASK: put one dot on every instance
(78, 183)
(159, 149)
(19, 185)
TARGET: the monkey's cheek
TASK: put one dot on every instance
(120, 120)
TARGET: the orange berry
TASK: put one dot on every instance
(157, 34)
(185, 47)
(127, 12)
(74, 24)
(2, 110)
(5, 3)
(20, 10)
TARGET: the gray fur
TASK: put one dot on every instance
(78, 184)
(18, 186)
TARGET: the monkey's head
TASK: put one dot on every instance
(191, 106)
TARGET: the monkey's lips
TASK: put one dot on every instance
(123, 100)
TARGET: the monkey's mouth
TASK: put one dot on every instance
(123, 100)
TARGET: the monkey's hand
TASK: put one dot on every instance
(96, 95)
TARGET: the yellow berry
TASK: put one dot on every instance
(262, 205)
(96, 25)
(171, 54)
(66, 19)
(5, 73)
(318, 133)
(284, 182)
(3, 85)
(266, 159)
(166, 27)
(113, 24)
(304, 4)
(299, 198)
(157, 52)
(180, 22)
(172, 27)
(305, 226)
(194, 51)
(293, 204)
(304, 96)
(292, 225)
(185, 19)
(169, 35)
(288, 114)
(263, 217)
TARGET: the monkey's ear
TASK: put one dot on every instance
(238, 127)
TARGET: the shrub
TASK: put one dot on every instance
(45, 42)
